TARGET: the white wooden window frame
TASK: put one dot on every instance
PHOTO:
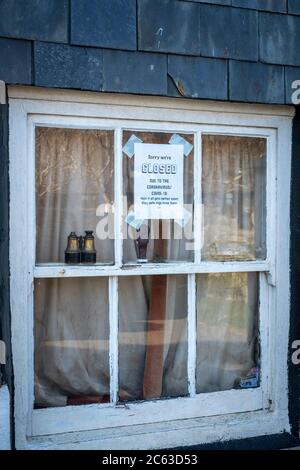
(174, 422)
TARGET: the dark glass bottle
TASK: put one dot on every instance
(88, 253)
(72, 252)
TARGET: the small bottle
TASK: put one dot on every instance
(88, 253)
(72, 252)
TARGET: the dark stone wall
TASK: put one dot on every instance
(6, 371)
(249, 48)
(229, 50)
(294, 369)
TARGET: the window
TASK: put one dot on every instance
(135, 318)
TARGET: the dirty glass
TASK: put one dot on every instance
(74, 191)
(152, 337)
(71, 338)
(227, 331)
(234, 198)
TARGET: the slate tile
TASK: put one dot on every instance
(169, 26)
(15, 61)
(135, 72)
(229, 33)
(104, 23)
(214, 2)
(267, 5)
(256, 82)
(63, 66)
(294, 7)
(172, 89)
(44, 20)
(198, 77)
(292, 74)
(279, 39)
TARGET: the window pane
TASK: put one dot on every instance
(152, 337)
(74, 179)
(177, 236)
(234, 197)
(227, 331)
(71, 341)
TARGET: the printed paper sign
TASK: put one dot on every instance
(158, 181)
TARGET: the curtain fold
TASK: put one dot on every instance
(74, 175)
(233, 194)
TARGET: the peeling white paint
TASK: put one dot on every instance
(4, 419)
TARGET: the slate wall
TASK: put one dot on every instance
(238, 50)
(231, 50)
(6, 371)
(294, 369)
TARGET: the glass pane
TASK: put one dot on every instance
(166, 239)
(227, 331)
(152, 337)
(71, 341)
(74, 191)
(234, 197)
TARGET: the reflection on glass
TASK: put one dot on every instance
(227, 331)
(71, 341)
(74, 179)
(234, 197)
(152, 337)
(168, 240)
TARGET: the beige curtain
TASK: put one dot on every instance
(135, 293)
(227, 329)
(74, 174)
(233, 194)
(71, 341)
